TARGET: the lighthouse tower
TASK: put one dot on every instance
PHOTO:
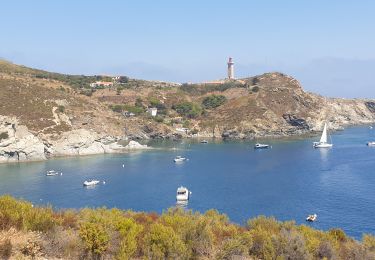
(230, 68)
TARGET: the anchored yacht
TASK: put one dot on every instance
(183, 194)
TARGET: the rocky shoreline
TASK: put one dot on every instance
(18, 144)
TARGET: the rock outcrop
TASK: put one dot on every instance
(82, 142)
(17, 143)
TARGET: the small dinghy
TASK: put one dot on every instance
(183, 194)
(204, 142)
(311, 218)
(371, 143)
(179, 159)
(261, 146)
(91, 183)
(53, 173)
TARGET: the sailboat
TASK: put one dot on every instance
(323, 140)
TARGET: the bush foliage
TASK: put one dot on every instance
(176, 234)
(213, 101)
(188, 109)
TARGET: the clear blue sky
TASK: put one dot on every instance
(327, 45)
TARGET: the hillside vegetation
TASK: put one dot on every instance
(272, 104)
(40, 232)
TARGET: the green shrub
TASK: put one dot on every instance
(291, 245)
(158, 119)
(237, 246)
(255, 89)
(129, 230)
(162, 242)
(188, 109)
(95, 238)
(23, 216)
(213, 101)
(154, 101)
(134, 109)
(262, 246)
(117, 108)
(337, 235)
(369, 242)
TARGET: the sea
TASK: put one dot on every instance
(288, 181)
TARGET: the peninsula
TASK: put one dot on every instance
(45, 114)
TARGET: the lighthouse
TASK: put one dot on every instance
(230, 68)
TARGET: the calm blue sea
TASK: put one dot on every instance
(289, 181)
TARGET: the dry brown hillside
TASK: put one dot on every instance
(272, 104)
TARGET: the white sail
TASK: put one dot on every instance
(323, 139)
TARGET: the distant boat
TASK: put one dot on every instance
(53, 173)
(323, 140)
(370, 127)
(183, 194)
(312, 218)
(261, 146)
(179, 159)
(90, 183)
(371, 143)
(204, 142)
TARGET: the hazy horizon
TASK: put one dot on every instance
(327, 46)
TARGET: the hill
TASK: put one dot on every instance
(45, 114)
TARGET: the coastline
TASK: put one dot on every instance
(121, 149)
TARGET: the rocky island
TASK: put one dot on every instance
(44, 114)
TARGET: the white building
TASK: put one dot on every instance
(153, 111)
(101, 84)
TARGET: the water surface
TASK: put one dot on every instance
(289, 181)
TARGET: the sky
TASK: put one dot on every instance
(329, 46)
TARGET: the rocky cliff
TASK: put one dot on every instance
(17, 143)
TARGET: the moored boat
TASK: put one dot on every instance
(183, 194)
(311, 218)
(90, 183)
(261, 146)
(179, 159)
(204, 142)
(371, 143)
(53, 173)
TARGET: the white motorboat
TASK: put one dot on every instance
(323, 143)
(90, 183)
(311, 218)
(53, 173)
(179, 159)
(204, 142)
(371, 143)
(183, 194)
(261, 146)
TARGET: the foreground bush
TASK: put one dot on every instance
(176, 234)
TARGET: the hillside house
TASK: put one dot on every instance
(152, 111)
(105, 84)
